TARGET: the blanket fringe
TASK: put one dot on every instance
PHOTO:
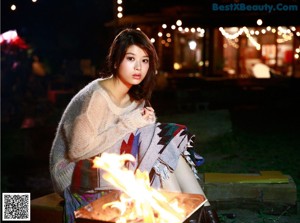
(161, 170)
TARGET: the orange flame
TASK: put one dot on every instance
(139, 201)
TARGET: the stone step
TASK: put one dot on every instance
(271, 196)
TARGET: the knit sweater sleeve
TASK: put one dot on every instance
(90, 134)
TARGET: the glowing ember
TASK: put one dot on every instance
(139, 201)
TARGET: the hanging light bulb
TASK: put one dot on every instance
(192, 45)
(259, 22)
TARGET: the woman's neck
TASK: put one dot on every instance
(117, 91)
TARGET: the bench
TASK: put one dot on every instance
(47, 209)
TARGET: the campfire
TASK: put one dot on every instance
(135, 200)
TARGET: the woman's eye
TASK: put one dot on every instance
(130, 58)
(146, 60)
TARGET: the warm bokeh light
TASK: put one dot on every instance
(179, 22)
(259, 22)
(120, 15)
(177, 66)
(13, 7)
(192, 45)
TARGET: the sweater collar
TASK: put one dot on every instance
(114, 108)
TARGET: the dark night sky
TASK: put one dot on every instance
(70, 29)
(60, 28)
(75, 28)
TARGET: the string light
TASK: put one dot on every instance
(119, 9)
(230, 36)
(297, 53)
(179, 22)
(284, 31)
(252, 40)
(284, 34)
(165, 31)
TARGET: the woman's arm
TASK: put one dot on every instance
(85, 139)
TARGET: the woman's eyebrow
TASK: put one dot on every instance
(135, 54)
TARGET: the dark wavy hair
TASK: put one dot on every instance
(116, 54)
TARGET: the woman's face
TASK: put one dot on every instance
(134, 66)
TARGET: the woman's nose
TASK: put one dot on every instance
(137, 65)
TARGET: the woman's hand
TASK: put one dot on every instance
(148, 113)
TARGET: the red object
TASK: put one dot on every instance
(11, 38)
(19, 42)
(288, 56)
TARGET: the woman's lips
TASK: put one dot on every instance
(137, 76)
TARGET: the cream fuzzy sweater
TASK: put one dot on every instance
(90, 124)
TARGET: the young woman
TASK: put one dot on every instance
(112, 114)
